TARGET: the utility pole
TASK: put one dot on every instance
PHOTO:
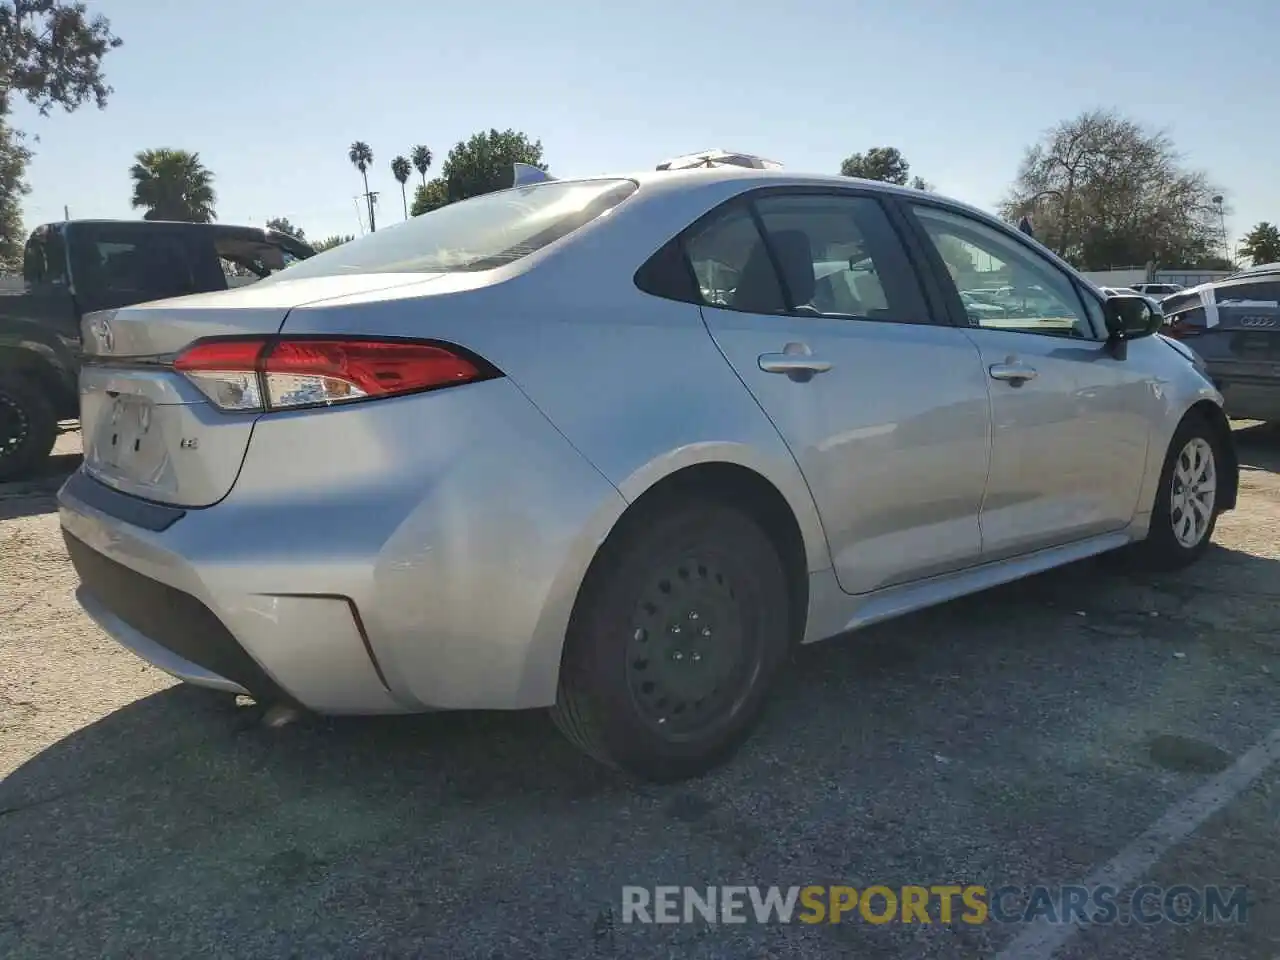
(372, 198)
(1222, 217)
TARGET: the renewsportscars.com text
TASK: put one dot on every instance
(938, 903)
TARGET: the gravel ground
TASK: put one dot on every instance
(1021, 737)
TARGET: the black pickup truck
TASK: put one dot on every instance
(73, 268)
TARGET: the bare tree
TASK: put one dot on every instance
(1104, 191)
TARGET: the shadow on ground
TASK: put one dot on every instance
(1258, 446)
(968, 740)
(36, 495)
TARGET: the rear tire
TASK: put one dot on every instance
(28, 427)
(680, 629)
(1186, 510)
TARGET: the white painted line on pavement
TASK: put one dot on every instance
(1041, 939)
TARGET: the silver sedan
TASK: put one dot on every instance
(613, 446)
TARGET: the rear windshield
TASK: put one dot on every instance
(478, 234)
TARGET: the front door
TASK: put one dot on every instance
(1070, 421)
(812, 299)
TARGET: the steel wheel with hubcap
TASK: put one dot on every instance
(679, 629)
(686, 655)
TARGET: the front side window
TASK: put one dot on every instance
(482, 233)
(1004, 285)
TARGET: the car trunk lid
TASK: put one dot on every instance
(147, 430)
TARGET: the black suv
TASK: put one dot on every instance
(73, 268)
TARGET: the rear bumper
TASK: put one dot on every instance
(433, 565)
(306, 649)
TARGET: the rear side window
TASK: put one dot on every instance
(733, 265)
(840, 257)
(482, 233)
(1265, 292)
(820, 255)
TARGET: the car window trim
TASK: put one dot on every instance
(955, 306)
(936, 313)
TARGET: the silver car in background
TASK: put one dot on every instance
(613, 446)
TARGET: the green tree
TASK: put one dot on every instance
(400, 169)
(1105, 191)
(173, 185)
(1262, 244)
(328, 243)
(421, 157)
(886, 164)
(361, 157)
(283, 225)
(51, 54)
(13, 161)
(486, 162)
(430, 196)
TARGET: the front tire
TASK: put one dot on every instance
(28, 427)
(680, 628)
(1186, 509)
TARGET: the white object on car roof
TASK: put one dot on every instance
(718, 158)
(527, 174)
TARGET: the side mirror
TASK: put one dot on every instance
(1130, 318)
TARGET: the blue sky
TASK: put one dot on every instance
(271, 95)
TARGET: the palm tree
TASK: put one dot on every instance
(400, 169)
(362, 157)
(421, 161)
(173, 185)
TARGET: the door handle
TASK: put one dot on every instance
(1012, 371)
(790, 363)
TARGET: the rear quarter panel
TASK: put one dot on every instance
(634, 382)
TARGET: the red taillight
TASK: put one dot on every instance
(1182, 326)
(264, 373)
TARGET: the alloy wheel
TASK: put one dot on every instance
(1193, 492)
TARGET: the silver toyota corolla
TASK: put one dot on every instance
(612, 446)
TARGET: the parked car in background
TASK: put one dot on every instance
(73, 268)
(1154, 302)
(1234, 326)
(1157, 290)
(613, 446)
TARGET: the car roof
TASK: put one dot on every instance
(226, 230)
(676, 180)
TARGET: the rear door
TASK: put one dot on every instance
(813, 299)
(1071, 422)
